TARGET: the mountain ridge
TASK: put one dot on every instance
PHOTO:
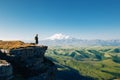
(81, 42)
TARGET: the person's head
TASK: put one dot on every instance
(36, 34)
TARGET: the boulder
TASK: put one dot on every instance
(6, 72)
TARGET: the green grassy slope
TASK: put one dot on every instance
(92, 63)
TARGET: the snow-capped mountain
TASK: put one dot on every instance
(65, 40)
(61, 40)
(58, 36)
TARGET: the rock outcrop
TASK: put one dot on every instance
(25, 59)
(6, 72)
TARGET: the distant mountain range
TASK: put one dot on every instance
(80, 42)
(65, 40)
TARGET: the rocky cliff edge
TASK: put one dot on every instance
(26, 60)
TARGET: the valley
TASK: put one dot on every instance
(86, 63)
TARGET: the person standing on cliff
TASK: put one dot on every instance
(36, 39)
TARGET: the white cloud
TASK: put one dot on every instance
(58, 36)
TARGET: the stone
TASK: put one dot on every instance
(6, 72)
(27, 60)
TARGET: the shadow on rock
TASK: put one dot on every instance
(70, 74)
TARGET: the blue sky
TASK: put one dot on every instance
(86, 19)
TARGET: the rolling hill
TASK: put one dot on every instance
(86, 63)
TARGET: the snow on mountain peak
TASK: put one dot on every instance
(58, 36)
